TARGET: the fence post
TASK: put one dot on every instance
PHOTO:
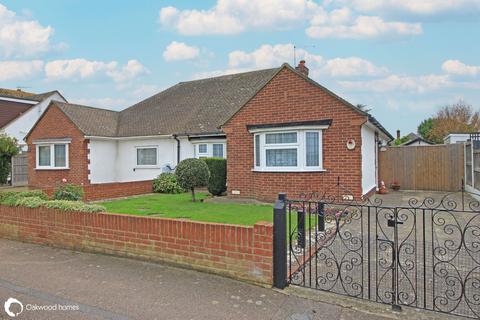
(280, 242)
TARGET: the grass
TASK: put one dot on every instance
(181, 206)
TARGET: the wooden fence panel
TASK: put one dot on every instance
(437, 168)
(20, 170)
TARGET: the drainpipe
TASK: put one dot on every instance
(178, 148)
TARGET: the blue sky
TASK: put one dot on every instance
(403, 59)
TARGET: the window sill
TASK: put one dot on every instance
(288, 170)
(147, 167)
(50, 169)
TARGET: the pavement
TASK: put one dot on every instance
(77, 285)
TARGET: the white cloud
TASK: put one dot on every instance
(235, 16)
(82, 69)
(416, 7)
(22, 37)
(352, 66)
(267, 56)
(13, 70)
(342, 23)
(459, 68)
(413, 84)
(180, 51)
(130, 71)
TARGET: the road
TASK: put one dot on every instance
(96, 286)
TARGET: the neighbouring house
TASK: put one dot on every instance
(20, 110)
(458, 137)
(416, 140)
(279, 130)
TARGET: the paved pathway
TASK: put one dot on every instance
(105, 287)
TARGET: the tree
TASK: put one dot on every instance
(8, 148)
(458, 117)
(191, 174)
(425, 128)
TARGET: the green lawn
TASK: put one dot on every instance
(181, 206)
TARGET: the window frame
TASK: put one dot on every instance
(51, 145)
(209, 153)
(202, 154)
(213, 150)
(140, 166)
(300, 146)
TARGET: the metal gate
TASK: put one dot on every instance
(424, 254)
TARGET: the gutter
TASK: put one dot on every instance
(178, 148)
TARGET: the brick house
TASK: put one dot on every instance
(279, 130)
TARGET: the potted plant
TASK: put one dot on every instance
(395, 185)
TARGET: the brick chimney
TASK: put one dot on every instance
(302, 68)
(398, 134)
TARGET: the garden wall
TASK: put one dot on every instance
(240, 252)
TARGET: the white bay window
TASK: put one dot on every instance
(209, 149)
(293, 150)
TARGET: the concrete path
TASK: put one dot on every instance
(103, 287)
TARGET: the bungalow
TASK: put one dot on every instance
(20, 110)
(280, 131)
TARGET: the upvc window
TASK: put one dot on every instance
(299, 150)
(147, 156)
(210, 149)
(52, 156)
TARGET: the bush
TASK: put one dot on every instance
(167, 183)
(217, 184)
(66, 205)
(30, 202)
(10, 198)
(191, 174)
(8, 148)
(69, 192)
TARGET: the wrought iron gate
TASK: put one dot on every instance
(424, 254)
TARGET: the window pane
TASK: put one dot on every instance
(312, 149)
(146, 156)
(44, 155)
(218, 150)
(257, 150)
(285, 137)
(202, 148)
(281, 157)
(60, 155)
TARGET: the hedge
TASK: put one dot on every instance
(217, 184)
(36, 199)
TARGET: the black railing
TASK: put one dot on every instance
(423, 253)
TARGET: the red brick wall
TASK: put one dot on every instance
(54, 124)
(237, 251)
(117, 190)
(288, 98)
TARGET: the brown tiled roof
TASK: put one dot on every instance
(20, 94)
(91, 121)
(192, 107)
(10, 110)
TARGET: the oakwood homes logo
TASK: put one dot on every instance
(9, 307)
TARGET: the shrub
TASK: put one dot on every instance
(69, 192)
(217, 184)
(191, 174)
(30, 202)
(167, 183)
(8, 148)
(10, 198)
(66, 205)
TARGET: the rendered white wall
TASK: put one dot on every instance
(22, 125)
(103, 154)
(116, 160)
(369, 152)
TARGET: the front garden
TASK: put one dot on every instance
(181, 206)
